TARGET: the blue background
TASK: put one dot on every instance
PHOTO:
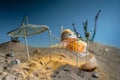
(57, 13)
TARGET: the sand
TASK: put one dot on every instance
(59, 66)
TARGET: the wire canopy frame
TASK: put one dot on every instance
(27, 30)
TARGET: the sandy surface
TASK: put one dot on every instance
(108, 60)
(59, 66)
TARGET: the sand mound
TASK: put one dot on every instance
(43, 66)
(12, 47)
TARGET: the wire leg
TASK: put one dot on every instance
(28, 57)
(50, 43)
(77, 60)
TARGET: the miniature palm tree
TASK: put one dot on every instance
(85, 26)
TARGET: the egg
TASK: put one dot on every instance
(66, 34)
(70, 41)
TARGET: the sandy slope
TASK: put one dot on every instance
(40, 67)
(108, 60)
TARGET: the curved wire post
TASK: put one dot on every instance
(50, 40)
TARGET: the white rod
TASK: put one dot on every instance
(61, 29)
(50, 40)
(77, 60)
(27, 48)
